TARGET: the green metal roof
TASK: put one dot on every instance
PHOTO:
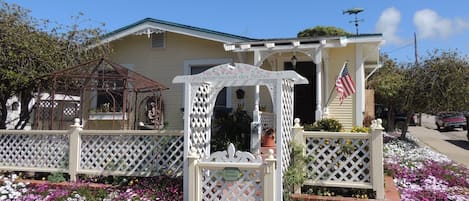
(179, 26)
(221, 34)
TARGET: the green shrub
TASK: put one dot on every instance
(359, 129)
(234, 127)
(325, 124)
(56, 177)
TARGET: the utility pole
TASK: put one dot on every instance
(415, 48)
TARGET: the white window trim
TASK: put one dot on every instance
(199, 62)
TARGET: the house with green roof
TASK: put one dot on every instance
(162, 50)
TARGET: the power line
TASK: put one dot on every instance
(402, 47)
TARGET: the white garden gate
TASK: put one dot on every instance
(201, 91)
(232, 175)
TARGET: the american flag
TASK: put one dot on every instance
(344, 84)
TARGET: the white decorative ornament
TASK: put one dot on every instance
(231, 155)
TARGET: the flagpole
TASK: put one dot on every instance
(332, 91)
(330, 95)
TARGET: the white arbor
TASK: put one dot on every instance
(201, 91)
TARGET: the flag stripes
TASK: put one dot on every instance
(344, 84)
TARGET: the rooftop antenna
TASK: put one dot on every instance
(354, 11)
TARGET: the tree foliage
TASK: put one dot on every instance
(440, 83)
(32, 48)
(446, 81)
(318, 31)
(388, 83)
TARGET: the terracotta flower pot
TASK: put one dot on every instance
(268, 141)
(268, 138)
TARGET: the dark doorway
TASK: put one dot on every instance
(305, 94)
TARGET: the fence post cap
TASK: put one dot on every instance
(377, 124)
(193, 153)
(76, 123)
(271, 154)
(297, 122)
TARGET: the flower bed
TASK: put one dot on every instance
(419, 172)
(422, 174)
(154, 188)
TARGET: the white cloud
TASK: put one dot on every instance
(388, 23)
(431, 25)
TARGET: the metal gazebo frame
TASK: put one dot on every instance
(131, 99)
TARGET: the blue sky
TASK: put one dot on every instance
(437, 23)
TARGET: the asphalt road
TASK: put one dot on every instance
(453, 143)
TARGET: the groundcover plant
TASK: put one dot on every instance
(153, 188)
(422, 174)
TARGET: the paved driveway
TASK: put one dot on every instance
(451, 145)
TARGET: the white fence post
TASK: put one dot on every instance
(194, 189)
(269, 177)
(74, 152)
(299, 139)
(377, 176)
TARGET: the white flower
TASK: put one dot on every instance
(14, 177)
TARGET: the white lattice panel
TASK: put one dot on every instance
(339, 159)
(200, 117)
(248, 187)
(134, 154)
(287, 119)
(34, 151)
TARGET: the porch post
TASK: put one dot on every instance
(360, 86)
(325, 55)
(317, 59)
(255, 145)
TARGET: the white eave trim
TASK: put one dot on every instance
(163, 27)
(286, 44)
(366, 39)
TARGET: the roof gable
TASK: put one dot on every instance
(150, 25)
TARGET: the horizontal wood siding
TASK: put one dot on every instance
(343, 113)
(163, 64)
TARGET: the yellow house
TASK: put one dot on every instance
(162, 50)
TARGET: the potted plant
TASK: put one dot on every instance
(268, 138)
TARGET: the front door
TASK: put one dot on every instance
(305, 94)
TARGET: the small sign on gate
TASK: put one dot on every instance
(231, 173)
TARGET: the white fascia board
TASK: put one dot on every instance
(295, 44)
(168, 28)
(370, 39)
(275, 48)
(286, 47)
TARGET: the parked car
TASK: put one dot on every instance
(447, 120)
